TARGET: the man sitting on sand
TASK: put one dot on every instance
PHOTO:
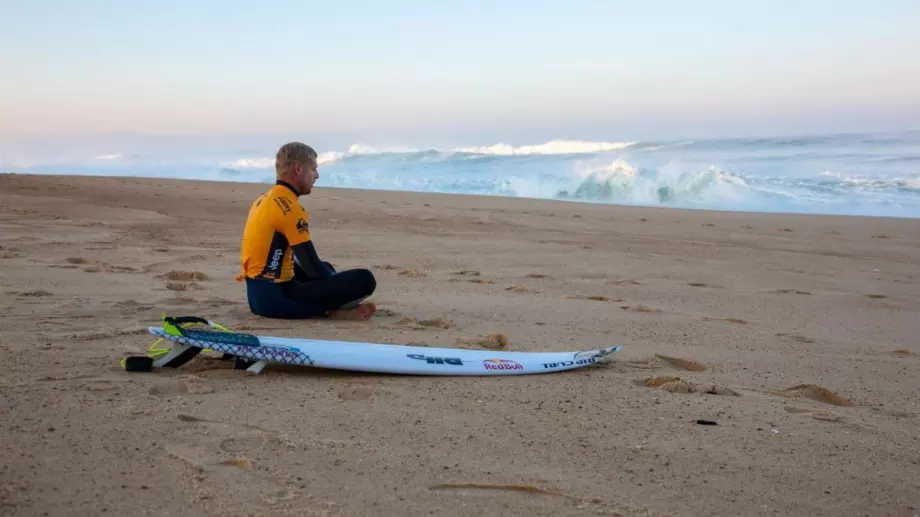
(284, 276)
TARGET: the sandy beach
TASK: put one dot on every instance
(798, 336)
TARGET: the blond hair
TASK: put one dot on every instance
(291, 153)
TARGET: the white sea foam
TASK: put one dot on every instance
(269, 161)
(251, 163)
(665, 146)
(364, 149)
(553, 147)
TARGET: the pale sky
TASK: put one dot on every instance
(538, 70)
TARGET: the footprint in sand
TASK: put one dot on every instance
(219, 302)
(183, 286)
(225, 426)
(466, 272)
(100, 385)
(185, 276)
(471, 280)
(789, 291)
(658, 361)
(439, 322)
(640, 308)
(796, 337)
(816, 393)
(357, 393)
(738, 321)
(6, 253)
(103, 267)
(678, 385)
(496, 341)
(824, 416)
(178, 300)
(168, 388)
(593, 298)
(222, 472)
(190, 384)
(35, 294)
(682, 364)
(241, 444)
(622, 282)
(475, 281)
(133, 305)
(519, 289)
(649, 363)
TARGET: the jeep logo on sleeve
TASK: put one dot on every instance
(276, 259)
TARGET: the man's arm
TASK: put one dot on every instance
(296, 228)
(309, 261)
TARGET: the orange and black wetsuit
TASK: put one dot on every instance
(284, 276)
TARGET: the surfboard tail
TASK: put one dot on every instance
(176, 355)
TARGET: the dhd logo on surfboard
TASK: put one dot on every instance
(501, 364)
(436, 360)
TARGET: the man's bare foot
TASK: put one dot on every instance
(363, 311)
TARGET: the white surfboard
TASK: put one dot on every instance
(364, 356)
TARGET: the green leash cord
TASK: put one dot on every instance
(155, 352)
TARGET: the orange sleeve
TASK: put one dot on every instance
(294, 222)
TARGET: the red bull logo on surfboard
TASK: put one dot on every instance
(502, 364)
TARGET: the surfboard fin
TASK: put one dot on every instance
(257, 367)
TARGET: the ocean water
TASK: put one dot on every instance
(856, 174)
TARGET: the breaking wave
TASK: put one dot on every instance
(404, 153)
(849, 174)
